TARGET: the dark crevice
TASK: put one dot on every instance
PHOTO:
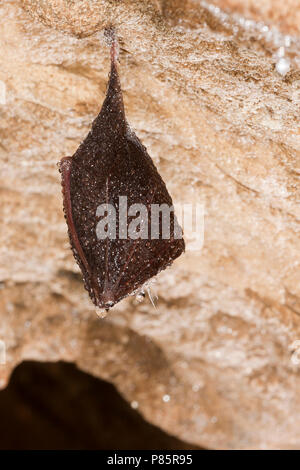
(57, 406)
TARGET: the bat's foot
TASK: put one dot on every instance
(64, 165)
(111, 37)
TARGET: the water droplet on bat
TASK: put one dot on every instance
(140, 296)
(112, 163)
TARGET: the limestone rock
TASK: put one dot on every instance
(216, 364)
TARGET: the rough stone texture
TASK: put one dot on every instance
(284, 14)
(223, 128)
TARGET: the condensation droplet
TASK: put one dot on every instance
(283, 66)
(166, 398)
(287, 41)
(281, 52)
(140, 296)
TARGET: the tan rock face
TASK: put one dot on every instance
(216, 363)
(285, 15)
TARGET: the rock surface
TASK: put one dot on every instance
(216, 364)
